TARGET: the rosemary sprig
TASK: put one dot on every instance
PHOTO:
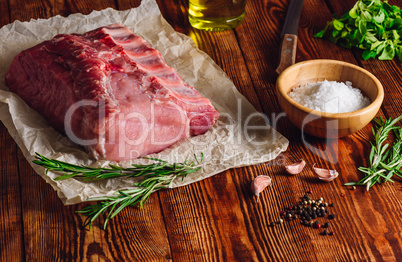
(155, 176)
(384, 162)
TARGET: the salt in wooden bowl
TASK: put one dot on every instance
(322, 124)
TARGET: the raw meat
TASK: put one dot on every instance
(109, 91)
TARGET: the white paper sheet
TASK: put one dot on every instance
(228, 144)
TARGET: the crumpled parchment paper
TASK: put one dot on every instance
(240, 137)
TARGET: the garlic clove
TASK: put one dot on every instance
(295, 168)
(259, 184)
(326, 175)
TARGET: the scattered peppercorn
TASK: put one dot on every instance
(332, 233)
(342, 195)
(307, 210)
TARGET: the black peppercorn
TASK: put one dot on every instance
(331, 216)
(325, 232)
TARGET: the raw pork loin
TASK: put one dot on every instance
(109, 91)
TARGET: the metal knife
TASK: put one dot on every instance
(289, 35)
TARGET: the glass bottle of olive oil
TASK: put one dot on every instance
(216, 15)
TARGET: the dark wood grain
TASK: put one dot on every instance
(218, 219)
(11, 230)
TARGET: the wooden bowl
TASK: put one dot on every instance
(321, 124)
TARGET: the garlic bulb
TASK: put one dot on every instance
(326, 175)
(259, 184)
(295, 168)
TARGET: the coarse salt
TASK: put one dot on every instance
(330, 97)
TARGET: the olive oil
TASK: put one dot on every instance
(216, 15)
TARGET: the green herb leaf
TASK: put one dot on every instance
(370, 24)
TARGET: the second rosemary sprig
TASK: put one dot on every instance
(384, 161)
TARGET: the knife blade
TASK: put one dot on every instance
(289, 35)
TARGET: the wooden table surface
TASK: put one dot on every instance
(217, 219)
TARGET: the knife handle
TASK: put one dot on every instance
(288, 52)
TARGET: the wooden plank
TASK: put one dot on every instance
(34, 9)
(347, 163)
(256, 67)
(11, 231)
(373, 210)
(205, 227)
(5, 13)
(124, 5)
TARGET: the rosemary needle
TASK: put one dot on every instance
(384, 162)
(157, 175)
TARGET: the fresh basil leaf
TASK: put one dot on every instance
(320, 34)
(375, 45)
(370, 37)
(361, 32)
(367, 54)
(395, 34)
(353, 12)
(335, 33)
(379, 18)
(380, 47)
(338, 25)
(366, 16)
(388, 53)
